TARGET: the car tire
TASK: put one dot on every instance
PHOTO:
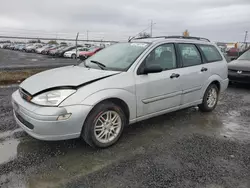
(97, 127)
(73, 56)
(210, 99)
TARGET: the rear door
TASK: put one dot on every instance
(194, 73)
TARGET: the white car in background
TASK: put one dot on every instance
(72, 53)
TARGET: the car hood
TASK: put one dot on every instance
(243, 65)
(70, 76)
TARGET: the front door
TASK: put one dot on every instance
(159, 91)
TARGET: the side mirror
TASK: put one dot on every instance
(152, 69)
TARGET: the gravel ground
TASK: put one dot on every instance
(181, 149)
(10, 60)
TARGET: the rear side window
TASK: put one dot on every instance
(211, 53)
(190, 55)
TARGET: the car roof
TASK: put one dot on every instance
(178, 39)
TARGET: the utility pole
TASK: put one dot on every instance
(151, 28)
(245, 40)
(87, 35)
(77, 35)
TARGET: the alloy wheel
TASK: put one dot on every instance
(107, 126)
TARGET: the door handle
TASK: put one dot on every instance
(203, 69)
(174, 76)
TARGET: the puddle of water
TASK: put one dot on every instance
(9, 86)
(8, 150)
(238, 130)
(234, 113)
(12, 180)
(5, 134)
(10, 134)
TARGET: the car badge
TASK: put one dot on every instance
(239, 72)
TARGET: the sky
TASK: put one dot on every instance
(218, 20)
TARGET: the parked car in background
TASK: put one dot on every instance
(72, 54)
(12, 46)
(33, 47)
(122, 84)
(7, 46)
(16, 47)
(86, 54)
(61, 52)
(46, 50)
(21, 47)
(239, 69)
(39, 50)
(52, 52)
(3, 45)
(27, 45)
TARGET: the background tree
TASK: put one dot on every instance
(52, 42)
(186, 33)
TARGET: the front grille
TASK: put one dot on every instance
(24, 122)
(239, 71)
(25, 95)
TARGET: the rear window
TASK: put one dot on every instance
(211, 53)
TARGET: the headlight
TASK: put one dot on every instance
(52, 98)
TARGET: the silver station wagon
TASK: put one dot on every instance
(122, 84)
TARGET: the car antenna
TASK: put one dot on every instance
(77, 35)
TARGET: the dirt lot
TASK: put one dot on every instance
(10, 59)
(181, 149)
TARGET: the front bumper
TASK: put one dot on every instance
(41, 122)
(241, 78)
(67, 55)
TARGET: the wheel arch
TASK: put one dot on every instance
(123, 98)
(119, 102)
(214, 79)
(217, 83)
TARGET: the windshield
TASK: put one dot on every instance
(118, 56)
(245, 56)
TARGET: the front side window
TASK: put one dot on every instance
(211, 53)
(245, 56)
(164, 56)
(190, 55)
(119, 56)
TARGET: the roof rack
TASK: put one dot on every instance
(176, 37)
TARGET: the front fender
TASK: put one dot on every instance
(128, 97)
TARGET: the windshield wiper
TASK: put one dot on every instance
(102, 66)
